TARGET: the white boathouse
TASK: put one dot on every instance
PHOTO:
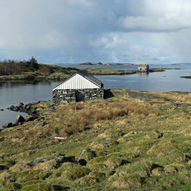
(81, 86)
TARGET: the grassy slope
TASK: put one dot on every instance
(141, 142)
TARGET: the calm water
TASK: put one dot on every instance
(14, 93)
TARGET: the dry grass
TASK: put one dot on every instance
(80, 116)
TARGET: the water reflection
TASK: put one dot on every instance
(143, 74)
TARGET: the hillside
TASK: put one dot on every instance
(32, 70)
(132, 141)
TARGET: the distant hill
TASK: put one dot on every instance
(31, 70)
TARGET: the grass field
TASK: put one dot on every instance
(132, 141)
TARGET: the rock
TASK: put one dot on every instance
(82, 162)
(59, 159)
(2, 139)
(87, 154)
(68, 159)
(7, 125)
(27, 107)
(3, 167)
(20, 105)
(29, 118)
(1, 109)
(20, 119)
(13, 108)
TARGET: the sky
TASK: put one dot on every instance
(76, 31)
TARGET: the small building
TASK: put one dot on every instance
(81, 86)
(143, 67)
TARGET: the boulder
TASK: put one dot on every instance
(7, 125)
(20, 119)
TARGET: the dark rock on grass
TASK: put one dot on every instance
(60, 188)
(68, 159)
(2, 139)
(82, 162)
(187, 158)
(3, 167)
(7, 125)
(20, 119)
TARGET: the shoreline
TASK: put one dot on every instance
(59, 76)
(31, 108)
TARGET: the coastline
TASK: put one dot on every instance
(58, 76)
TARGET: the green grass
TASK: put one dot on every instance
(139, 141)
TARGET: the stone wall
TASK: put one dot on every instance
(77, 95)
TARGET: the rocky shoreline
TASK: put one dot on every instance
(25, 108)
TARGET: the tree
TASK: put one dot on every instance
(33, 63)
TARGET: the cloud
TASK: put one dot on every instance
(162, 15)
(156, 24)
(101, 30)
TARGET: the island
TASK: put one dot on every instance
(108, 64)
(31, 71)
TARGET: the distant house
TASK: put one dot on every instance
(143, 67)
(81, 86)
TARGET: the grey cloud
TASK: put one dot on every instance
(156, 24)
(80, 30)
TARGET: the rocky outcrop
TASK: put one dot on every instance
(26, 108)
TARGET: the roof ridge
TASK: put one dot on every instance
(85, 75)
